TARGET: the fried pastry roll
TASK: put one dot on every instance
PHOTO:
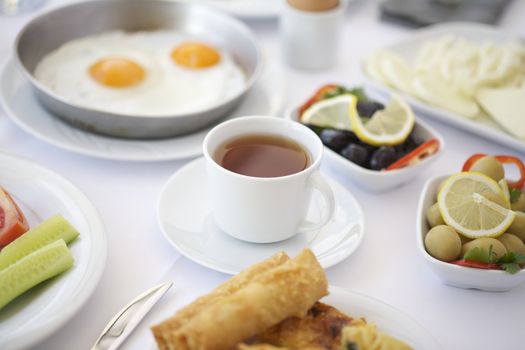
(227, 288)
(284, 291)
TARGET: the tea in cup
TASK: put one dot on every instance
(261, 174)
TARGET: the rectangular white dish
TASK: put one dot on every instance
(478, 33)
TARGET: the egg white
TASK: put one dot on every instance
(167, 88)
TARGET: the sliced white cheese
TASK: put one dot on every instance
(373, 67)
(506, 106)
(430, 88)
(397, 72)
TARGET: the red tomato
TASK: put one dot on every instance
(12, 221)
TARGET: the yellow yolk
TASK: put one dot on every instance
(117, 72)
(195, 55)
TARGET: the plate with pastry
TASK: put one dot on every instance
(285, 303)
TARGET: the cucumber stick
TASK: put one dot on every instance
(33, 269)
(53, 229)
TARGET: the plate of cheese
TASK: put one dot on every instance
(469, 75)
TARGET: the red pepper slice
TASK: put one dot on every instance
(319, 94)
(516, 161)
(476, 264)
(417, 155)
(503, 160)
(471, 160)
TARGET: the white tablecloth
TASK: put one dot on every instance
(386, 266)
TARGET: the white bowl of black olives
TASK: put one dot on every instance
(447, 260)
(375, 168)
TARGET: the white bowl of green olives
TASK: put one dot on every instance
(373, 176)
(450, 273)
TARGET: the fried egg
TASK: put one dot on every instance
(142, 73)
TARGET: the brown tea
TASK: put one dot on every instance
(262, 155)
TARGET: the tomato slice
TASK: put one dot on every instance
(12, 221)
(476, 264)
(516, 161)
(471, 160)
(417, 155)
(319, 94)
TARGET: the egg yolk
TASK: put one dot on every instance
(195, 55)
(117, 72)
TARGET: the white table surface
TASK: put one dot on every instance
(386, 266)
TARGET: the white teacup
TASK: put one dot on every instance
(265, 209)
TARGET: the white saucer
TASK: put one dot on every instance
(265, 98)
(184, 217)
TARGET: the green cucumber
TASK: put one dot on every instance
(33, 269)
(53, 229)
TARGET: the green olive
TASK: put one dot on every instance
(512, 243)
(443, 243)
(518, 225)
(434, 217)
(498, 249)
(519, 205)
(490, 167)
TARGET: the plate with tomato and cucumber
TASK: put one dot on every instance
(52, 251)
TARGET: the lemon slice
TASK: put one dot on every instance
(474, 205)
(505, 188)
(331, 113)
(390, 126)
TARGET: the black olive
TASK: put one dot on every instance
(337, 139)
(352, 137)
(368, 108)
(382, 158)
(400, 150)
(355, 153)
(371, 149)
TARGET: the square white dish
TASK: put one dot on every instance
(380, 181)
(454, 275)
(477, 33)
